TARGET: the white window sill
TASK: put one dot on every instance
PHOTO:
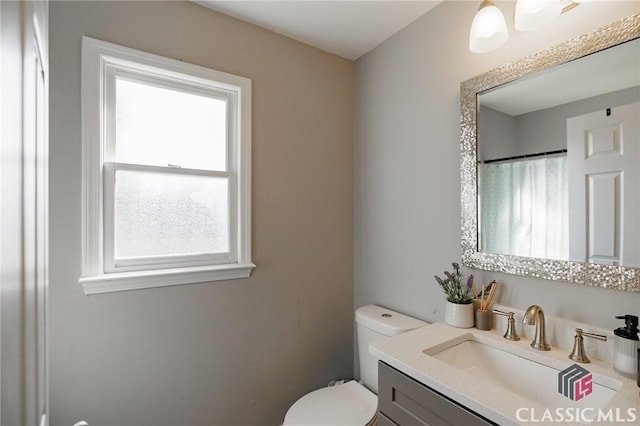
(122, 281)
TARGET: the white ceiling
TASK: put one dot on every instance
(603, 72)
(348, 28)
(351, 28)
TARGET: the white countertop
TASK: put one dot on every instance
(498, 404)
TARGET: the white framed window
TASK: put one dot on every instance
(166, 171)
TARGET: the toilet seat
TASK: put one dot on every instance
(347, 404)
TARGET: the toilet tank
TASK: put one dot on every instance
(374, 323)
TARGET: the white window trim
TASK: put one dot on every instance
(98, 59)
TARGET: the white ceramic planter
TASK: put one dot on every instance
(458, 315)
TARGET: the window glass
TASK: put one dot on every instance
(158, 214)
(160, 126)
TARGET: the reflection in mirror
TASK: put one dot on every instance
(572, 129)
(549, 162)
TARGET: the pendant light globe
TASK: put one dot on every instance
(488, 30)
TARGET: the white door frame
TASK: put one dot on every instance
(23, 213)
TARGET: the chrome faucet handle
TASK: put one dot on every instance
(511, 325)
(578, 354)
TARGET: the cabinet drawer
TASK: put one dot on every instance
(385, 421)
(407, 402)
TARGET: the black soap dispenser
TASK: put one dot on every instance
(625, 347)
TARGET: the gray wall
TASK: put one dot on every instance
(496, 134)
(224, 353)
(546, 130)
(407, 180)
(501, 135)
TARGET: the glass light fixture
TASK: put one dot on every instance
(532, 14)
(489, 29)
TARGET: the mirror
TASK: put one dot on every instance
(536, 168)
(550, 146)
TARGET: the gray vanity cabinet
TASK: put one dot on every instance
(402, 401)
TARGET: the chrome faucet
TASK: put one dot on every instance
(535, 315)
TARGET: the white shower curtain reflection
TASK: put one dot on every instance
(523, 208)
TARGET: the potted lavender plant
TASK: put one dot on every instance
(458, 310)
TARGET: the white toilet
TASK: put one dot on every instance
(352, 403)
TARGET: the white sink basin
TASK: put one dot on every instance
(507, 382)
(519, 373)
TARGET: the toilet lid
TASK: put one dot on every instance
(348, 404)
